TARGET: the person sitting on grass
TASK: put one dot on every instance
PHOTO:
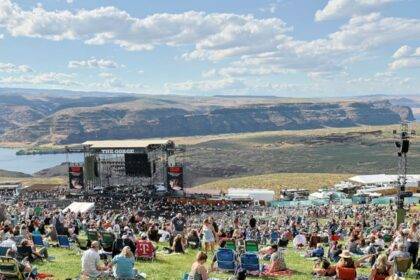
(123, 264)
(335, 251)
(299, 241)
(91, 262)
(318, 252)
(198, 270)
(178, 245)
(145, 247)
(399, 253)
(346, 266)
(266, 252)
(193, 239)
(382, 269)
(277, 262)
(31, 252)
(324, 268)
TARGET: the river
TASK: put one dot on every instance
(32, 163)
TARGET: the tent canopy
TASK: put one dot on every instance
(82, 207)
(381, 179)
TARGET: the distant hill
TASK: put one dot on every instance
(13, 174)
(38, 117)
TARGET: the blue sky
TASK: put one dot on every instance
(301, 48)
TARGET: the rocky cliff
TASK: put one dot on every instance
(46, 119)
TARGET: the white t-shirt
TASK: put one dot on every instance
(90, 261)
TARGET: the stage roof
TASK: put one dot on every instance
(121, 144)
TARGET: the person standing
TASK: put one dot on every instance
(413, 242)
(178, 224)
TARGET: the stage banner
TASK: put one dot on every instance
(89, 168)
(176, 178)
(76, 177)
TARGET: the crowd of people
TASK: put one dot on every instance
(338, 238)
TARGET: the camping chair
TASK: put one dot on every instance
(63, 241)
(402, 265)
(9, 269)
(18, 239)
(82, 243)
(107, 241)
(24, 252)
(37, 239)
(3, 251)
(251, 246)
(274, 237)
(230, 244)
(226, 259)
(250, 263)
(92, 235)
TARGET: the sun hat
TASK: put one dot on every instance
(345, 254)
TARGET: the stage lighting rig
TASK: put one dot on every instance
(402, 143)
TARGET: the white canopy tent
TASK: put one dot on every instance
(82, 207)
(255, 194)
(379, 179)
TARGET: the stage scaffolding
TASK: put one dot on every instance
(105, 162)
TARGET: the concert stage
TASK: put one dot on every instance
(134, 163)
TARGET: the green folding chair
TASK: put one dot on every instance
(107, 240)
(92, 235)
(251, 246)
(230, 244)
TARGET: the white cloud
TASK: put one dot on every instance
(206, 86)
(12, 68)
(238, 71)
(373, 30)
(1, 36)
(412, 62)
(271, 8)
(402, 52)
(106, 75)
(229, 33)
(115, 84)
(406, 57)
(50, 78)
(140, 72)
(336, 9)
(93, 63)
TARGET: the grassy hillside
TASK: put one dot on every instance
(13, 174)
(277, 182)
(356, 150)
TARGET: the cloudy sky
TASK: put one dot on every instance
(302, 48)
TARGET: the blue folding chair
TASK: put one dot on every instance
(274, 236)
(226, 259)
(18, 239)
(250, 263)
(37, 239)
(63, 241)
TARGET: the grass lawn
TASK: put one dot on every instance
(167, 267)
(278, 181)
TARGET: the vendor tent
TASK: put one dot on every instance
(255, 194)
(82, 207)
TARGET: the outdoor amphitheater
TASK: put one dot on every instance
(125, 214)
